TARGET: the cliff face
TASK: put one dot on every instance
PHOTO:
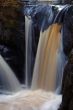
(67, 86)
(67, 1)
(10, 14)
(68, 31)
(12, 35)
(13, 3)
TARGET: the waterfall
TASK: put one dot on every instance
(8, 81)
(61, 62)
(48, 60)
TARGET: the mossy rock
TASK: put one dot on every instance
(9, 12)
(11, 3)
(10, 19)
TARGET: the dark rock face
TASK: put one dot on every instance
(67, 1)
(67, 86)
(68, 30)
(71, 104)
(12, 35)
(67, 83)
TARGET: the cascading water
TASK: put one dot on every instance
(8, 81)
(47, 61)
(62, 60)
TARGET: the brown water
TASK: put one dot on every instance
(47, 60)
(50, 60)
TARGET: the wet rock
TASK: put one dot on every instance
(68, 31)
(67, 85)
(12, 35)
(67, 1)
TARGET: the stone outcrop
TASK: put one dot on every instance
(12, 35)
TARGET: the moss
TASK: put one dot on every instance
(9, 12)
(10, 3)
